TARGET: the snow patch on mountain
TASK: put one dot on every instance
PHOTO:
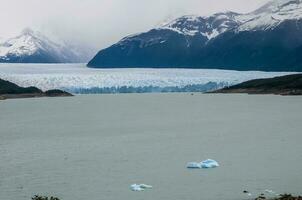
(271, 15)
(209, 26)
(267, 17)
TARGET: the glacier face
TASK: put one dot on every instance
(77, 78)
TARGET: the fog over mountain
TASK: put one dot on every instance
(99, 23)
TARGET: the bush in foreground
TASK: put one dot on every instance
(281, 197)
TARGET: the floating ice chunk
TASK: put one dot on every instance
(209, 163)
(144, 186)
(194, 165)
(140, 187)
(136, 188)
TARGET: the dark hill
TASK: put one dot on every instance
(284, 85)
(10, 90)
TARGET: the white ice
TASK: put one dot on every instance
(140, 187)
(75, 77)
(209, 163)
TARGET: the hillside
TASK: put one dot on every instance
(284, 85)
(10, 90)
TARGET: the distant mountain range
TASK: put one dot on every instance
(33, 47)
(267, 39)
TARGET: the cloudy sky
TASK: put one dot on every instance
(102, 22)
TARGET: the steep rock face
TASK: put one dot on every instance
(156, 48)
(267, 39)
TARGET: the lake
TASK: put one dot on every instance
(95, 146)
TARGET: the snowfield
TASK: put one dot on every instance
(77, 78)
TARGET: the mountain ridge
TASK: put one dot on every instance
(34, 47)
(268, 33)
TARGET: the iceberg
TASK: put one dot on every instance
(144, 186)
(194, 165)
(209, 163)
(140, 187)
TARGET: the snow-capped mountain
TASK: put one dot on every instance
(33, 47)
(267, 39)
(209, 27)
(271, 15)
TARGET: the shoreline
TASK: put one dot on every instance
(37, 96)
(30, 96)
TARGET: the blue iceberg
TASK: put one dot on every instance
(209, 163)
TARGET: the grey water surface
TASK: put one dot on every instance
(95, 146)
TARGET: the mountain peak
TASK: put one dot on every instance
(28, 31)
(33, 35)
(271, 15)
(32, 46)
(207, 26)
(282, 3)
(278, 5)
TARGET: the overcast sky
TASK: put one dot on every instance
(102, 22)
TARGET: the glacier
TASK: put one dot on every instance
(78, 79)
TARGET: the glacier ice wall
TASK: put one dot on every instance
(78, 79)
